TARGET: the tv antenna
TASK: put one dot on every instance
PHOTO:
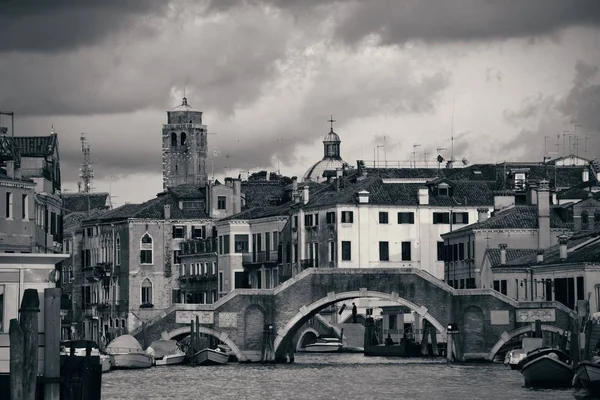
(415, 154)
(452, 134)
(87, 173)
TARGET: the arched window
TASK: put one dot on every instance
(116, 322)
(123, 323)
(146, 292)
(176, 168)
(146, 249)
(183, 138)
(585, 219)
(110, 323)
(173, 139)
(597, 216)
(118, 251)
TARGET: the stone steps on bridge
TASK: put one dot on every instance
(354, 334)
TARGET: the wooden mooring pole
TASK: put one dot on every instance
(30, 307)
(17, 361)
(52, 343)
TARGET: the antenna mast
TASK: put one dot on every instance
(87, 173)
(452, 135)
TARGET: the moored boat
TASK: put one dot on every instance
(166, 352)
(211, 357)
(547, 367)
(588, 375)
(514, 357)
(126, 352)
(324, 345)
(79, 347)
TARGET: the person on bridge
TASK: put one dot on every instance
(354, 312)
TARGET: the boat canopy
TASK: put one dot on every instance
(123, 343)
(163, 348)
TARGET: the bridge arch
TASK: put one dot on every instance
(306, 312)
(305, 332)
(507, 336)
(222, 336)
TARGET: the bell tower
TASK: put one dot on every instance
(184, 147)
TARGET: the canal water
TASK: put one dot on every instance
(329, 376)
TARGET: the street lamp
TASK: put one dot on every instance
(12, 132)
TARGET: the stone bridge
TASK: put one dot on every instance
(485, 318)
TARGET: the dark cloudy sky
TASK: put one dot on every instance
(268, 74)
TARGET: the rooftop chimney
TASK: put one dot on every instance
(540, 256)
(167, 211)
(338, 177)
(363, 197)
(563, 240)
(482, 214)
(543, 208)
(586, 175)
(305, 194)
(423, 196)
(503, 254)
(237, 196)
(533, 194)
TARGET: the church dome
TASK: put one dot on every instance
(331, 160)
(315, 172)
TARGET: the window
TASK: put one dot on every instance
(440, 251)
(442, 191)
(225, 244)
(118, 251)
(241, 243)
(316, 219)
(406, 246)
(346, 250)
(330, 217)
(500, 286)
(406, 218)
(441, 218)
(9, 205)
(308, 220)
(197, 232)
(460, 218)
(146, 250)
(173, 139)
(220, 281)
(384, 251)
(585, 217)
(221, 202)
(383, 217)
(331, 251)
(178, 232)
(146, 291)
(25, 207)
(183, 138)
(461, 251)
(240, 280)
(295, 223)
(176, 256)
(275, 240)
(347, 217)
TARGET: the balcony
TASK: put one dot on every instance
(260, 257)
(199, 246)
(45, 173)
(309, 263)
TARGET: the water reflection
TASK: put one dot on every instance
(326, 376)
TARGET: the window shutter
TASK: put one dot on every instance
(466, 218)
(411, 218)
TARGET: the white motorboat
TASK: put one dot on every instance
(514, 357)
(211, 357)
(324, 345)
(126, 352)
(79, 347)
(547, 367)
(166, 352)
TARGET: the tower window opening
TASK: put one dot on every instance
(173, 139)
(183, 138)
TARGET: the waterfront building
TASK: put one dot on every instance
(565, 272)
(534, 225)
(198, 279)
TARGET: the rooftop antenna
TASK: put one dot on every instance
(452, 134)
(425, 154)
(546, 147)
(378, 147)
(215, 154)
(440, 159)
(384, 152)
(415, 155)
(565, 134)
(87, 173)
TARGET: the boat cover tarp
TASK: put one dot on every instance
(79, 344)
(163, 348)
(124, 343)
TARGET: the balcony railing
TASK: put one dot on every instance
(308, 263)
(257, 257)
(36, 173)
(199, 246)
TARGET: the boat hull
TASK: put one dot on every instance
(588, 375)
(546, 371)
(210, 357)
(323, 348)
(171, 359)
(106, 363)
(132, 360)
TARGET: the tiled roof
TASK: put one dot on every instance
(73, 221)
(511, 254)
(36, 146)
(519, 217)
(587, 253)
(188, 192)
(262, 193)
(261, 212)
(75, 202)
